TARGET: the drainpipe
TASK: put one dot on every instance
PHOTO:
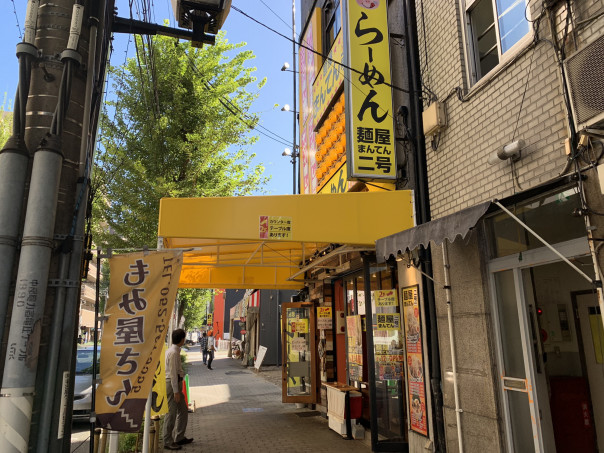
(18, 383)
(14, 158)
(458, 409)
(61, 338)
(423, 210)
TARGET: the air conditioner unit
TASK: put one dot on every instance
(585, 82)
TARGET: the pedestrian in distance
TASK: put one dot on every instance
(204, 348)
(211, 348)
(175, 423)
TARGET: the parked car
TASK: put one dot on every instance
(82, 390)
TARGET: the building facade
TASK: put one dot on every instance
(514, 144)
(506, 321)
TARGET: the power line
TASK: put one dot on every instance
(342, 65)
(17, 18)
(326, 57)
(255, 127)
(278, 17)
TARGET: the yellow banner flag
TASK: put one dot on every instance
(159, 399)
(141, 299)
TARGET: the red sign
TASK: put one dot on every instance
(243, 332)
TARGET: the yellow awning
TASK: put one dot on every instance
(261, 241)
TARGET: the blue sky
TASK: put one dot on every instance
(270, 49)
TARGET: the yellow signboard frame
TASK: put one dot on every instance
(371, 154)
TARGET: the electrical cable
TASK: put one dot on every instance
(209, 85)
(280, 139)
(326, 57)
(17, 18)
(278, 17)
(526, 83)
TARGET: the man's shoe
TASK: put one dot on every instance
(210, 368)
(184, 441)
(174, 446)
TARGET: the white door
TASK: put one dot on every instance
(592, 335)
(524, 389)
(518, 377)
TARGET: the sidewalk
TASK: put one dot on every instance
(239, 411)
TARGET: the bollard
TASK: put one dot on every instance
(152, 438)
(156, 419)
(97, 438)
(103, 441)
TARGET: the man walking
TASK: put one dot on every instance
(204, 348)
(211, 349)
(174, 436)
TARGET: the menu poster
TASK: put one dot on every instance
(355, 347)
(415, 360)
(385, 298)
(389, 366)
(324, 318)
(388, 321)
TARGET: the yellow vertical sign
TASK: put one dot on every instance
(159, 399)
(370, 126)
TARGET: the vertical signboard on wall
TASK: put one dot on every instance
(308, 60)
(370, 125)
(415, 360)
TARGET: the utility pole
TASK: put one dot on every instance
(62, 108)
(295, 153)
(45, 201)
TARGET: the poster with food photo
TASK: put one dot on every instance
(355, 347)
(415, 360)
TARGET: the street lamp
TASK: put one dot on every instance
(285, 67)
(287, 152)
(287, 108)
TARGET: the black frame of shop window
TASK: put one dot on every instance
(376, 444)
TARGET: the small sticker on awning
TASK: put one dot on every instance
(275, 227)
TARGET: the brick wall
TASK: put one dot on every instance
(491, 116)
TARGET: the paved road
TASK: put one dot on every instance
(238, 411)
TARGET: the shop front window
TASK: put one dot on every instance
(298, 349)
(389, 360)
(378, 314)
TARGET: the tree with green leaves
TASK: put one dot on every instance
(177, 126)
(193, 305)
(6, 123)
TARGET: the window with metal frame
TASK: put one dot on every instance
(494, 27)
(333, 24)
